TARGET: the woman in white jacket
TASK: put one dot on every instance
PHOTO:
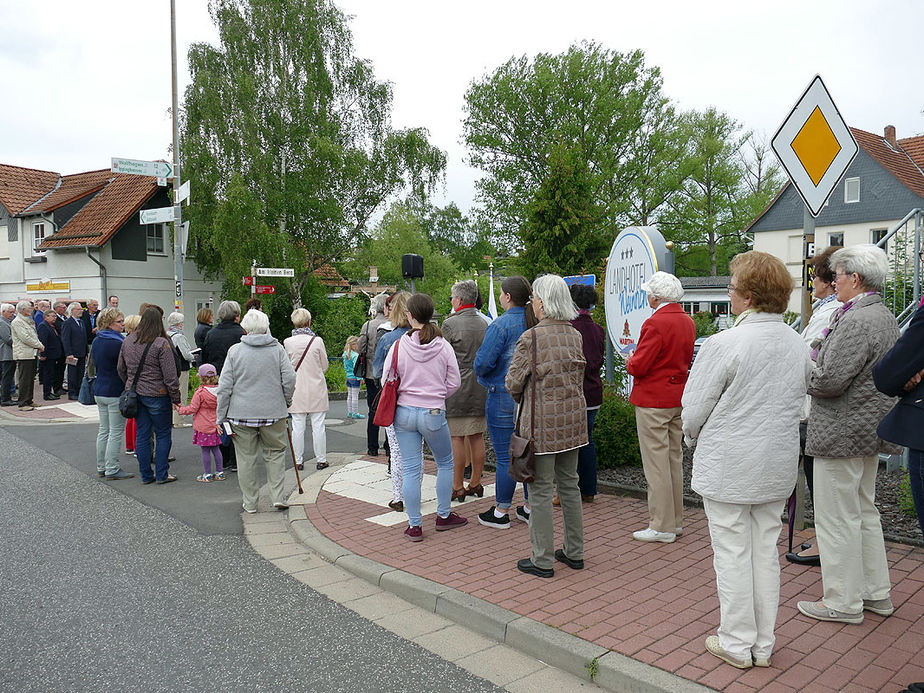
(308, 356)
(741, 409)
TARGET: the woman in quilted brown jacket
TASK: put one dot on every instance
(560, 428)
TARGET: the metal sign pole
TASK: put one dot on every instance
(178, 218)
(808, 241)
(253, 276)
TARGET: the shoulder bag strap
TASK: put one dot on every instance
(306, 352)
(532, 388)
(140, 365)
(394, 361)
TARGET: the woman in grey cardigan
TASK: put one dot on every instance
(846, 410)
(254, 393)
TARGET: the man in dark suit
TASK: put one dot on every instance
(74, 337)
(89, 319)
(54, 352)
(60, 309)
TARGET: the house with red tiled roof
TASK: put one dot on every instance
(80, 236)
(880, 187)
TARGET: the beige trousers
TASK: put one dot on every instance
(271, 441)
(659, 437)
(849, 532)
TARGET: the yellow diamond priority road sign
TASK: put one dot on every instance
(815, 146)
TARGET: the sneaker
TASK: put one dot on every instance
(883, 607)
(679, 531)
(100, 474)
(525, 565)
(573, 563)
(116, 476)
(357, 415)
(414, 533)
(763, 662)
(489, 519)
(351, 415)
(522, 513)
(220, 476)
(653, 535)
(129, 452)
(451, 521)
(280, 505)
(713, 648)
(819, 611)
(248, 510)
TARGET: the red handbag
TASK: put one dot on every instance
(387, 399)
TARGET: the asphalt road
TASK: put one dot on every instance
(125, 587)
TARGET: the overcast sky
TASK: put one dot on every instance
(83, 82)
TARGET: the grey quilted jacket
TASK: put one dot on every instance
(561, 416)
(846, 406)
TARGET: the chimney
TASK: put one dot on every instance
(890, 134)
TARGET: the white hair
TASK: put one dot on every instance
(6, 306)
(555, 296)
(377, 304)
(664, 287)
(867, 260)
(255, 322)
(301, 317)
(174, 319)
(23, 305)
(466, 291)
(71, 306)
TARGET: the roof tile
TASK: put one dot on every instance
(72, 187)
(20, 187)
(895, 161)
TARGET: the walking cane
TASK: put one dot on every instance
(292, 449)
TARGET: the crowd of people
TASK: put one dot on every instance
(759, 397)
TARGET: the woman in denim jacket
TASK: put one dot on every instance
(491, 364)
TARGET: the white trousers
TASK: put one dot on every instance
(849, 533)
(747, 572)
(318, 436)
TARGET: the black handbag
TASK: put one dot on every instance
(359, 370)
(522, 466)
(128, 400)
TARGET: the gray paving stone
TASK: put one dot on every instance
(454, 643)
(477, 614)
(550, 679)
(417, 590)
(321, 576)
(617, 672)
(412, 623)
(552, 646)
(363, 567)
(348, 590)
(380, 605)
(500, 664)
(297, 563)
(293, 548)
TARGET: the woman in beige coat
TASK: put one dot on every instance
(309, 359)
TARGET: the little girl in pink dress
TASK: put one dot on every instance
(204, 408)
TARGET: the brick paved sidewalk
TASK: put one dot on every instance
(655, 603)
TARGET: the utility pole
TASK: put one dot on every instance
(178, 205)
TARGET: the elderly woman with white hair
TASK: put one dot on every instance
(846, 410)
(368, 337)
(184, 359)
(254, 393)
(659, 365)
(546, 377)
(308, 357)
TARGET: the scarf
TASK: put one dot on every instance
(743, 315)
(303, 330)
(834, 318)
(111, 334)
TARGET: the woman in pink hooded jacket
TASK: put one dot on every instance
(429, 373)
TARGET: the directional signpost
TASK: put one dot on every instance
(138, 167)
(161, 215)
(264, 289)
(275, 272)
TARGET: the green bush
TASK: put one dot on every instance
(336, 377)
(905, 499)
(705, 324)
(614, 432)
(193, 382)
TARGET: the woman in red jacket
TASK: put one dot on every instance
(659, 365)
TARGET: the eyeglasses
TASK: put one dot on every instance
(732, 288)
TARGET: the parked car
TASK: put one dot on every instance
(696, 346)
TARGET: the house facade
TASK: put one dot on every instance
(883, 183)
(79, 236)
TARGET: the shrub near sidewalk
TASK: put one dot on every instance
(615, 434)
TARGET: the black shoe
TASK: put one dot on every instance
(793, 557)
(73, 398)
(489, 519)
(7, 403)
(570, 562)
(372, 454)
(50, 397)
(231, 468)
(526, 566)
(806, 545)
(149, 481)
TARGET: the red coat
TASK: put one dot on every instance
(662, 358)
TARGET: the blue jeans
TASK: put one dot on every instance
(500, 411)
(153, 413)
(412, 424)
(916, 474)
(111, 434)
(587, 460)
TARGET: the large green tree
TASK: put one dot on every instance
(597, 103)
(284, 123)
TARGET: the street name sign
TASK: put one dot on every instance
(588, 279)
(264, 289)
(160, 215)
(275, 272)
(137, 167)
(815, 146)
(183, 194)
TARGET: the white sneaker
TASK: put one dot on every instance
(653, 535)
(679, 531)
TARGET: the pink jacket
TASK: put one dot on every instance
(429, 372)
(204, 408)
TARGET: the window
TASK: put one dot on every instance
(689, 307)
(38, 236)
(155, 239)
(851, 190)
(836, 238)
(877, 235)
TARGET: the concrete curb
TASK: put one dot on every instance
(567, 652)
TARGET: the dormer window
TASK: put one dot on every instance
(851, 190)
(38, 237)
